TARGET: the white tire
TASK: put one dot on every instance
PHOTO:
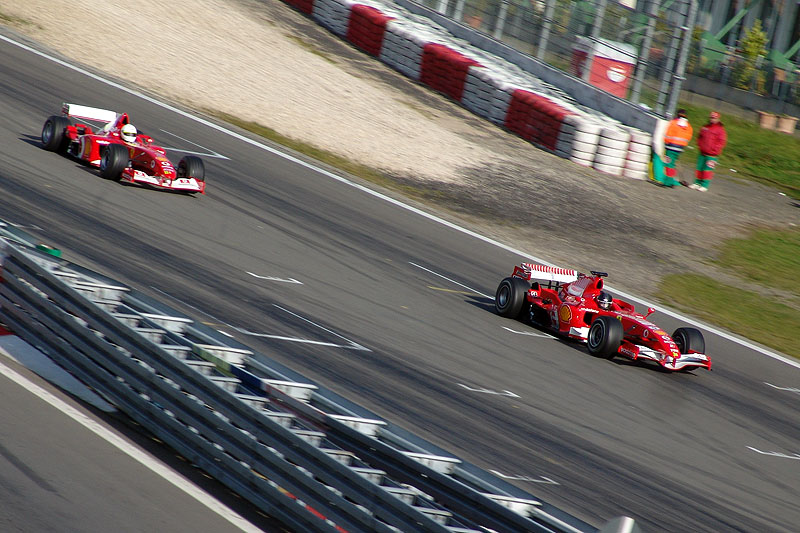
(578, 146)
(582, 162)
(639, 148)
(608, 169)
(609, 160)
(612, 151)
(635, 165)
(613, 133)
(640, 137)
(634, 174)
(586, 137)
(639, 158)
(613, 143)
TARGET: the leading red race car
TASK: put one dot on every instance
(119, 150)
(575, 306)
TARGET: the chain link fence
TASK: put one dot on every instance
(641, 46)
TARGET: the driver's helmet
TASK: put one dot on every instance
(128, 133)
(604, 300)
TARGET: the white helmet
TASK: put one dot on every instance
(128, 133)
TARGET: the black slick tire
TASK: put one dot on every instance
(113, 161)
(192, 167)
(53, 134)
(605, 336)
(510, 297)
(689, 339)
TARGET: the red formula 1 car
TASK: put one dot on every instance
(575, 306)
(119, 150)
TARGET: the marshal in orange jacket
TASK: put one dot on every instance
(679, 133)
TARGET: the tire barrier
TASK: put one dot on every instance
(283, 443)
(487, 85)
(445, 70)
(612, 149)
(578, 140)
(402, 49)
(536, 118)
(637, 160)
(366, 28)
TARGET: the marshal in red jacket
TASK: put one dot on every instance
(712, 139)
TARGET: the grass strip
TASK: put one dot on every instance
(736, 309)
(767, 257)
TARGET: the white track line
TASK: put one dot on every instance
(434, 218)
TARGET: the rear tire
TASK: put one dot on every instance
(54, 138)
(689, 339)
(605, 336)
(192, 167)
(510, 297)
(113, 161)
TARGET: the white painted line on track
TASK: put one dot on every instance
(488, 391)
(434, 218)
(350, 346)
(450, 280)
(795, 456)
(530, 333)
(137, 454)
(207, 153)
(353, 344)
(787, 389)
(270, 278)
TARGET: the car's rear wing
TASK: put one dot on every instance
(89, 113)
(545, 273)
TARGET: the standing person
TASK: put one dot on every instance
(710, 141)
(677, 137)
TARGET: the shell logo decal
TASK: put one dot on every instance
(616, 74)
(565, 313)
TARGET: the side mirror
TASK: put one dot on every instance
(650, 311)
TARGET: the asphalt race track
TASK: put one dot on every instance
(394, 311)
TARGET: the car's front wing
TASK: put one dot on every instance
(188, 185)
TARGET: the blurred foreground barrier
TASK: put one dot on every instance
(301, 454)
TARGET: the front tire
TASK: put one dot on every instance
(54, 138)
(689, 339)
(605, 336)
(192, 167)
(114, 160)
(510, 297)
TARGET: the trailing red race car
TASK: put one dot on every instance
(119, 150)
(575, 306)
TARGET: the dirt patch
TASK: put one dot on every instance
(264, 62)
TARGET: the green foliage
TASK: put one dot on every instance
(754, 41)
(752, 46)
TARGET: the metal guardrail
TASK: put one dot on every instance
(286, 445)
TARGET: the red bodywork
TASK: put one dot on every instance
(149, 164)
(568, 309)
